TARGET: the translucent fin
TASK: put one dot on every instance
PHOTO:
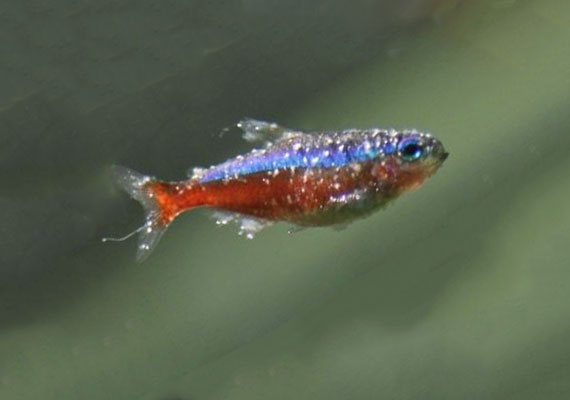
(136, 185)
(224, 218)
(258, 131)
(248, 226)
(195, 172)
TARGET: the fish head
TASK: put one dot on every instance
(420, 151)
(415, 157)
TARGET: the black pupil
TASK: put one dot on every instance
(412, 150)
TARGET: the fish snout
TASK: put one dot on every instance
(438, 152)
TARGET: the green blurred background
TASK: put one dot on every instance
(459, 290)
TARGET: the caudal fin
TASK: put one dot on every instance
(139, 187)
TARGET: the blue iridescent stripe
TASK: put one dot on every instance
(296, 155)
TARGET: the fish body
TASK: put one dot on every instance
(306, 179)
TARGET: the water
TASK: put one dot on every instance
(458, 290)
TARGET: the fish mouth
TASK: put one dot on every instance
(443, 156)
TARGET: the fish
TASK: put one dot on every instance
(306, 179)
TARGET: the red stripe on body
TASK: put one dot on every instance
(287, 193)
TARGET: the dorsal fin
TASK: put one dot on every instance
(259, 131)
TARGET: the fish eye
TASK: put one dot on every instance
(411, 149)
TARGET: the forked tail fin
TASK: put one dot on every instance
(139, 187)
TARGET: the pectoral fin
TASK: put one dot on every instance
(248, 226)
